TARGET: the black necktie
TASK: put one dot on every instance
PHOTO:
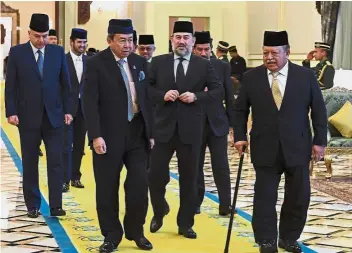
(180, 72)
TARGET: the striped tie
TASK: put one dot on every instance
(130, 114)
(276, 91)
(40, 62)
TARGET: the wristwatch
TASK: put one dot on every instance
(195, 97)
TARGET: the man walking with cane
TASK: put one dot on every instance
(281, 94)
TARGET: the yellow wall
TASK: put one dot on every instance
(299, 19)
(26, 9)
(228, 20)
(239, 23)
(97, 26)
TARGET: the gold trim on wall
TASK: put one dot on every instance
(7, 11)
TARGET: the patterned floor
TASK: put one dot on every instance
(20, 234)
(329, 224)
(328, 230)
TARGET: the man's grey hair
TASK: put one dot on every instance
(286, 47)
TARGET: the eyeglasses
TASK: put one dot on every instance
(148, 49)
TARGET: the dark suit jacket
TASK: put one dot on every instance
(324, 72)
(105, 98)
(27, 93)
(189, 118)
(77, 87)
(218, 117)
(289, 126)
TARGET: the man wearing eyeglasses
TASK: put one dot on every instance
(117, 115)
(146, 46)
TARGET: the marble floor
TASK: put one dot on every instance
(328, 229)
(20, 234)
(329, 224)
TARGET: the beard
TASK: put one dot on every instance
(182, 51)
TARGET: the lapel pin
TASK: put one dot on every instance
(134, 67)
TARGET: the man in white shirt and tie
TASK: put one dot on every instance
(38, 101)
(76, 132)
(118, 118)
(281, 95)
(177, 83)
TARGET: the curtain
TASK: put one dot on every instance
(343, 38)
(328, 11)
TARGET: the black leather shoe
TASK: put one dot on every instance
(268, 247)
(142, 243)
(225, 211)
(188, 233)
(77, 184)
(107, 247)
(40, 153)
(290, 246)
(157, 222)
(57, 212)
(65, 187)
(198, 210)
(33, 213)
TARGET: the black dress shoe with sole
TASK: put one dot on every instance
(107, 247)
(157, 222)
(268, 247)
(187, 232)
(57, 212)
(225, 211)
(33, 213)
(65, 187)
(142, 242)
(290, 246)
(77, 184)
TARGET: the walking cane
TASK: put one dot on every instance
(234, 201)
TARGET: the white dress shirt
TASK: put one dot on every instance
(78, 63)
(282, 78)
(185, 63)
(130, 81)
(35, 51)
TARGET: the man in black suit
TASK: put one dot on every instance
(177, 83)
(146, 46)
(52, 37)
(75, 134)
(38, 101)
(218, 121)
(117, 113)
(281, 95)
(135, 41)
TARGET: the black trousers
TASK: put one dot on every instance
(79, 137)
(295, 206)
(107, 168)
(219, 164)
(30, 141)
(67, 153)
(159, 177)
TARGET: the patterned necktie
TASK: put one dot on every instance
(130, 115)
(180, 72)
(40, 62)
(276, 91)
(79, 68)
